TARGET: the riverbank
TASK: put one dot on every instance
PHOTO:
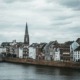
(73, 65)
(1, 59)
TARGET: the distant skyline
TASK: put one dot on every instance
(47, 20)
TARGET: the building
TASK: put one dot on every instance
(33, 50)
(65, 54)
(13, 49)
(76, 54)
(65, 51)
(40, 55)
(26, 43)
(20, 52)
(56, 53)
(2, 51)
(49, 50)
(73, 47)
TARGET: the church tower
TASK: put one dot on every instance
(26, 36)
(26, 43)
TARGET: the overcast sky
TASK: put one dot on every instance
(47, 20)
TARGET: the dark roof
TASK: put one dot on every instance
(68, 43)
(78, 40)
(41, 45)
(5, 44)
(65, 50)
(77, 49)
(34, 45)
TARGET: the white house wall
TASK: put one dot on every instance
(76, 55)
(20, 53)
(73, 46)
(57, 56)
(2, 49)
(32, 52)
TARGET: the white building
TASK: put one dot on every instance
(73, 47)
(2, 49)
(32, 51)
(56, 55)
(20, 52)
(76, 54)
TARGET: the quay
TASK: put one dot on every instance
(1, 59)
(65, 64)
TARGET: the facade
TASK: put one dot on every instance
(33, 50)
(49, 50)
(40, 55)
(26, 43)
(76, 54)
(65, 54)
(73, 47)
(20, 52)
(14, 49)
(2, 49)
(56, 55)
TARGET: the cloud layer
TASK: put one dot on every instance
(47, 20)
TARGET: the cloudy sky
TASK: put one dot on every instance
(47, 20)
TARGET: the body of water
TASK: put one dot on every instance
(9, 71)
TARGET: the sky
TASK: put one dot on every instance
(47, 20)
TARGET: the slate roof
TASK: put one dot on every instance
(66, 44)
(41, 45)
(77, 49)
(5, 44)
(78, 40)
(34, 45)
(65, 50)
(49, 44)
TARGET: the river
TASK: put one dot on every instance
(10, 71)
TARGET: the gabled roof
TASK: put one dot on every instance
(65, 50)
(5, 44)
(34, 45)
(78, 40)
(41, 45)
(77, 49)
(49, 44)
(66, 44)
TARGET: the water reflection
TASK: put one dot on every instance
(9, 71)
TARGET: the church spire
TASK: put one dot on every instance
(26, 30)
(26, 36)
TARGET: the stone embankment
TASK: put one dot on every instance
(1, 60)
(74, 65)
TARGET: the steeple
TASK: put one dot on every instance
(26, 30)
(26, 36)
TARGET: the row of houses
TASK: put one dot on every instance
(12, 49)
(52, 51)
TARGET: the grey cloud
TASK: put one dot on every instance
(64, 17)
(74, 30)
(72, 3)
(75, 4)
(11, 1)
(61, 23)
